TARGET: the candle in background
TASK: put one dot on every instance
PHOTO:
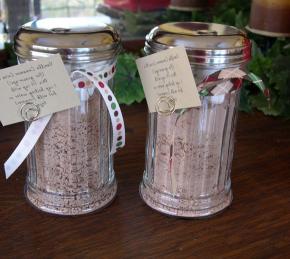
(134, 5)
(188, 5)
(270, 18)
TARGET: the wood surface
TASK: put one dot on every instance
(257, 225)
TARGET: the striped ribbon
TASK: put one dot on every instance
(228, 80)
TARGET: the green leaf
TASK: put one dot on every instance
(270, 58)
(274, 107)
(128, 88)
(256, 51)
(245, 104)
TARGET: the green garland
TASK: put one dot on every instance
(128, 88)
(271, 61)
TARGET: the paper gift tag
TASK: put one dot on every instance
(167, 74)
(35, 89)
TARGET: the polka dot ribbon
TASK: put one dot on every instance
(94, 80)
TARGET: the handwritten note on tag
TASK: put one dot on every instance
(35, 88)
(168, 74)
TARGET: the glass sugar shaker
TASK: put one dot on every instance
(70, 170)
(189, 153)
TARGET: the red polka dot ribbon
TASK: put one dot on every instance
(93, 80)
(99, 80)
(85, 82)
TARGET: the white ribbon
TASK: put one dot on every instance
(96, 80)
(116, 116)
(26, 145)
(232, 73)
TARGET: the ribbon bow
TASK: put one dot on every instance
(93, 80)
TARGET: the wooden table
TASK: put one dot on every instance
(257, 225)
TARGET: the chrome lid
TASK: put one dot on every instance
(75, 39)
(205, 43)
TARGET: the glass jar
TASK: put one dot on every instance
(189, 152)
(70, 170)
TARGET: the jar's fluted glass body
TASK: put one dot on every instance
(189, 152)
(70, 169)
(189, 157)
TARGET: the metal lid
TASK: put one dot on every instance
(75, 39)
(205, 43)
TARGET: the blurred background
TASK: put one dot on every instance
(266, 22)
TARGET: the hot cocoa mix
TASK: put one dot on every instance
(191, 164)
(72, 165)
